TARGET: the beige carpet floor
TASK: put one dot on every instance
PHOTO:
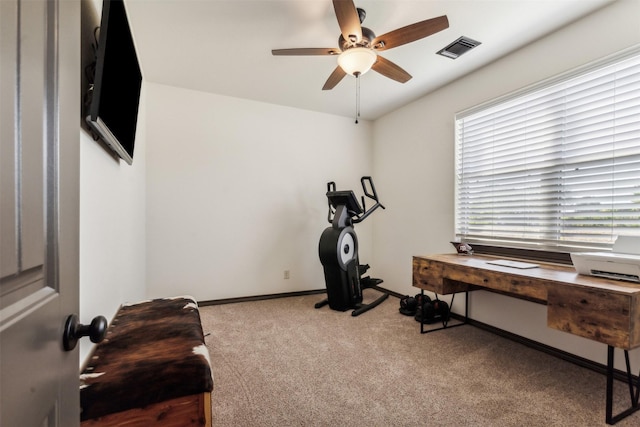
(281, 362)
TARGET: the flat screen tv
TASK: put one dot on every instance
(115, 93)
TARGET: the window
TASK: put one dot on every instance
(556, 166)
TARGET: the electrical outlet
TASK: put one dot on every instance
(286, 274)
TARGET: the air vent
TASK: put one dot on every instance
(458, 47)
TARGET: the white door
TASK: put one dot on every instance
(39, 189)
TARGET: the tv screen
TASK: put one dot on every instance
(113, 110)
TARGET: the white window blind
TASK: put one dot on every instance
(556, 167)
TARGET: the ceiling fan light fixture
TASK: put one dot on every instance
(357, 60)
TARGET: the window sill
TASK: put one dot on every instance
(524, 254)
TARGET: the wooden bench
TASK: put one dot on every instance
(152, 368)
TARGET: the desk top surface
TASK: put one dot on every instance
(561, 274)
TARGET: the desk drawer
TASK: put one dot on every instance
(602, 316)
(428, 275)
(502, 280)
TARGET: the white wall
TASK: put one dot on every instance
(112, 214)
(112, 228)
(236, 193)
(414, 163)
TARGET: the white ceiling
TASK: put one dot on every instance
(224, 46)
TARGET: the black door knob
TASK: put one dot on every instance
(73, 331)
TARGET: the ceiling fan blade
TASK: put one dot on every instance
(348, 20)
(391, 70)
(334, 78)
(307, 51)
(410, 33)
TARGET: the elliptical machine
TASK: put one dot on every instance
(338, 250)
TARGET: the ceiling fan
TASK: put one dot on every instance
(358, 45)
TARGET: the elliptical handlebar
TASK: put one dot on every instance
(373, 195)
(331, 187)
(369, 190)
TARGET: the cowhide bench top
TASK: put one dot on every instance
(153, 351)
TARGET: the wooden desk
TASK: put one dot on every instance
(603, 310)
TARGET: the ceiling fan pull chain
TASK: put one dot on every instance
(357, 96)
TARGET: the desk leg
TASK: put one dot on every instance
(445, 322)
(634, 389)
